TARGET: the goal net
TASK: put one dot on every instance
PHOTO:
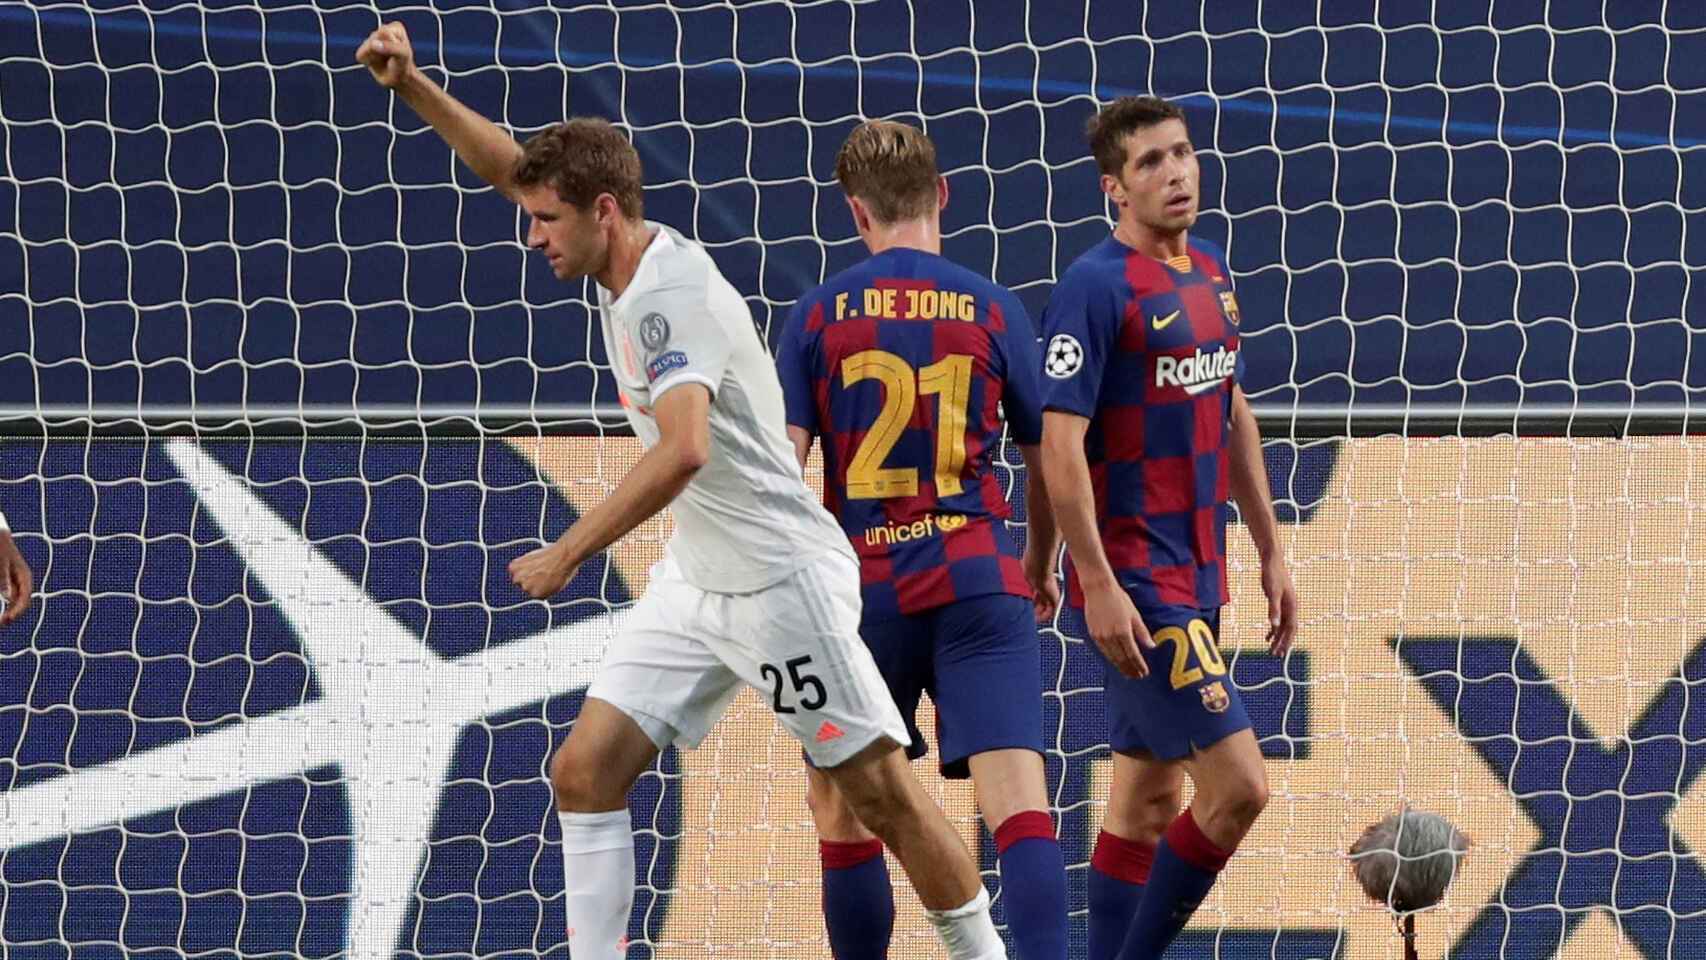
(283, 395)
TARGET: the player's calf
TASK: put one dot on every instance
(1144, 797)
(1229, 801)
(591, 773)
(1231, 791)
(1014, 802)
(887, 799)
(858, 899)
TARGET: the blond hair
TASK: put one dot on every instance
(891, 167)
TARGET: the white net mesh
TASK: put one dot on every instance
(278, 699)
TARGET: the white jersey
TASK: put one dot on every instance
(747, 519)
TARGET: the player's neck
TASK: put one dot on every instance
(627, 246)
(1150, 242)
(924, 233)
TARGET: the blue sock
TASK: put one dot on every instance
(1033, 885)
(858, 902)
(1118, 870)
(1186, 865)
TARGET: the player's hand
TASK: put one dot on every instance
(1039, 572)
(542, 572)
(1282, 606)
(15, 579)
(1117, 629)
(387, 54)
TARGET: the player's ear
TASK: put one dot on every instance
(941, 192)
(1115, 190)
(861, 214)
(605, 209)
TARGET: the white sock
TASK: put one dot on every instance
(967, 931)
(598, 883)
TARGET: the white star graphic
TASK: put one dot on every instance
(390, 714)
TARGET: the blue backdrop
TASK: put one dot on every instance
(218, 205)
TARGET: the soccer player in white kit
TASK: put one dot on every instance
(758, 585)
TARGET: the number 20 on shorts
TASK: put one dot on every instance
(1194, 637)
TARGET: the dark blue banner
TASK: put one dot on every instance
(218, 205)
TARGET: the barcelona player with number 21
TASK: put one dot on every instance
(904, 365)
(1145, 435)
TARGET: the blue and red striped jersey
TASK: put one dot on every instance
(906, 365)
(1147, 350)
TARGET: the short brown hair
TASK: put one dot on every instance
(1108, 129)
(581, 158)
(892, 167)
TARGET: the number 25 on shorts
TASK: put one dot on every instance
(801, 683)
(1200, 640)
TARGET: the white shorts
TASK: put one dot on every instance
(683, 653)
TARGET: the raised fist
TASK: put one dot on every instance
(387, 54)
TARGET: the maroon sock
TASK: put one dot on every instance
(1118, 870)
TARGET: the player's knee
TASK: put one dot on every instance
(831, 814)
(1143, 814)
(1150, 814)
(879, 792)
(1242, 800)
(575, 783)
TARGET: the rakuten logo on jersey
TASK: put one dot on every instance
(1197, 373)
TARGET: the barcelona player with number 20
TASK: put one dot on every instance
(904, 364)
(1145, 434)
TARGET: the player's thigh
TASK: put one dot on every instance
(1187, 702)
(598, 762)
(1230, 773)
(660, 671)
(798, 643)
(988, 670)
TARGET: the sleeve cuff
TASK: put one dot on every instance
(669, 383)
(1062, 407)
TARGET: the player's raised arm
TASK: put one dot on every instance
(15, 576)
(1249, 487)
(484, 146)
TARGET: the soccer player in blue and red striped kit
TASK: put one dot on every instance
(905, 364)
(1145, 435)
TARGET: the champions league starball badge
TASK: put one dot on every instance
(1063, 357)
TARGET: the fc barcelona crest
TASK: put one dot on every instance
(1229, 303)
(1214, 698)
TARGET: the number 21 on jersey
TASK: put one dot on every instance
(949, 379)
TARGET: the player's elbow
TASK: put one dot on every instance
(690, 454)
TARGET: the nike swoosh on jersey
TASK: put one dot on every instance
(1162, 322)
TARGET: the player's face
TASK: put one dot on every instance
(1158, 185)
(572, 239)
